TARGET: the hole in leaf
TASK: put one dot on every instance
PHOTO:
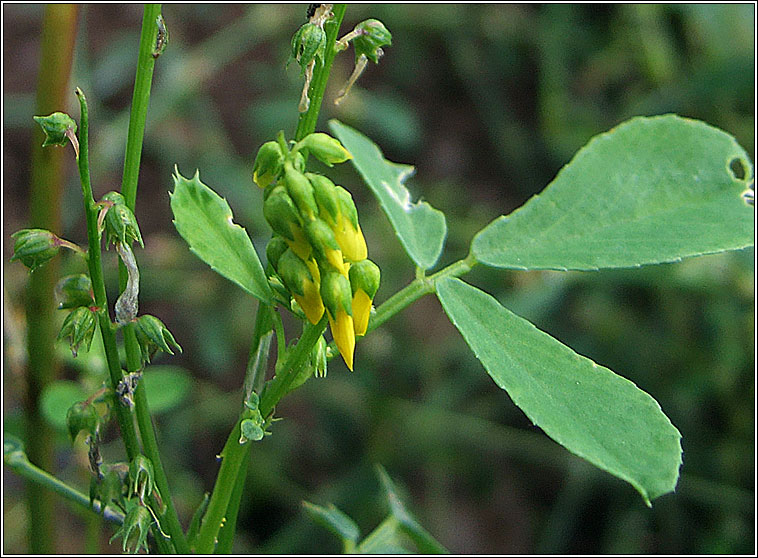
(738, 168)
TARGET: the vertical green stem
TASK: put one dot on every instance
(94, 263)
(138, 117)
(47, 178)
(306, 124)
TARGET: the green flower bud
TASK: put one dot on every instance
(114, 198)
(141, 477)
(109, 487)
(325, 246)
(302, 284)
(79, 327)
(274, 250)
(325, 148)
(327, 200)
(280, 212)
(81, 416)
(318, 358)
(121, 225)
(268, 164)
(153, 335)
(73, 291)
(336, 294)
(372, 35)
(300, 190)
(133, 531)
(308, 44)
(35, 247)
(58, 128)
(364, 282)
(347, 206)
(348, 232)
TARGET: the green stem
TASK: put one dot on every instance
(20, 465)
(46, 185)
(234, 454)
(307, 121)
(94, 264)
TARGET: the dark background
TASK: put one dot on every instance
(488, 101)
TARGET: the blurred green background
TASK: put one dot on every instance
(488, 101)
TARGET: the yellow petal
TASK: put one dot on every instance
(300, 245)
(335, 258)
(351, 241)
(311, 302)
(344, 336)
(361, 312)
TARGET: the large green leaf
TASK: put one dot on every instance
(650, 190)
(586, 408)
(204, 220)
(420, 227)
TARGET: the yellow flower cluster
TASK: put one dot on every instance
(318, 249)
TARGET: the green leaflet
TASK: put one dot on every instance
(204, 220)
(650, 190)
(586, 408)
(420, 227)
(336, 521)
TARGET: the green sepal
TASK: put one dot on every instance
(274, 250)
(373, 36)
(293, 272)
(308, 43)
(73, 291)
(141, 477)
(55, 127)
(347, 206)
(300, 190)
(121, 225)
(34, 247)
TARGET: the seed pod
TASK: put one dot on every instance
(302, 284)
(327, 200)
(364, 282)
(336, 294)
(58, 128)
(325, 148)
(308, 44)
(300, 190)
(268, 164)
(35, 247)
(141, 477)
(134, 529)
(152, 335)
(121, 225)
(81, 416)
(79, 327)
(372, 35)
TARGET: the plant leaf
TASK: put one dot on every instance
(166, 387)
(586, 408)
(204, 220)
(650, 190)
(335, 520)
(420, 227)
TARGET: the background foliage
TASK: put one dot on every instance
(488, 102)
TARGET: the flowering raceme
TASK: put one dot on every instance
(317, 252)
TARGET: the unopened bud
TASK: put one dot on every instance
(348, 232)
(280, 212)
(121, 225)
(325, 246)
(335, 292)
(274, 250)
(302, 284)
(325, 193)
(268, 164)
(300, 190)
(73, 291)
(364, 282)
(79, 327)
(325, 148)
(35, 247)
(59, 129)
